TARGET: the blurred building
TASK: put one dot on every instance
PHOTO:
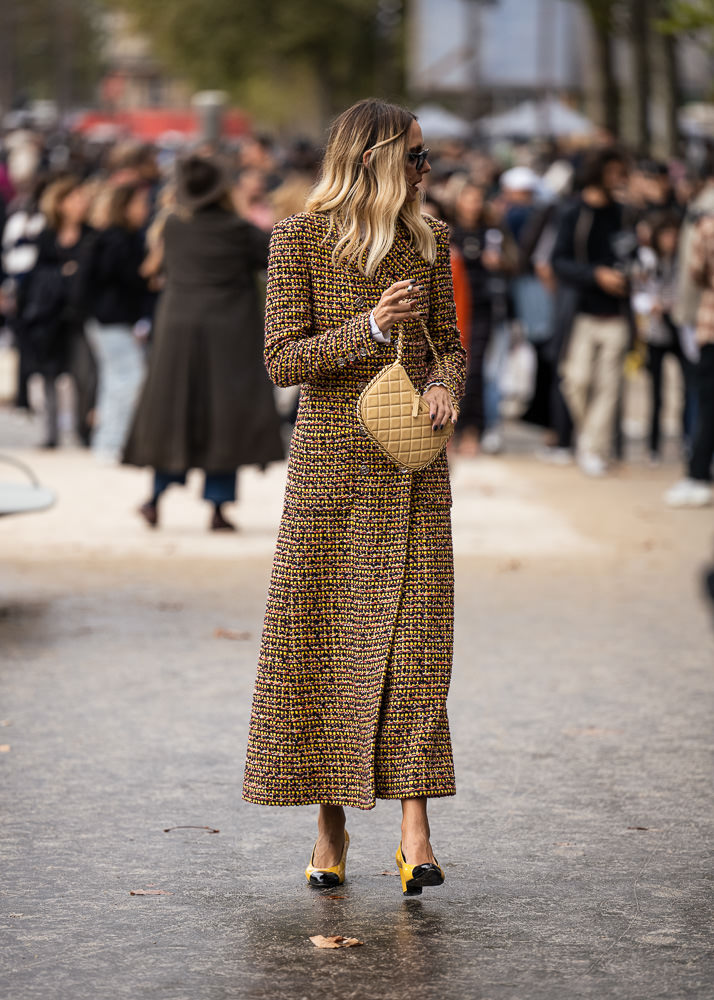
(485, 56)
(495, 53)
(133, 77)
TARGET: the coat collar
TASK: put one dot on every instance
(401, 261)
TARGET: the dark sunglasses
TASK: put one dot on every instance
(418, 159)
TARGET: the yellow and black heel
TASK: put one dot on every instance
(326, 878)
(415, 877)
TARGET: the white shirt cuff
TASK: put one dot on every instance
(381, 338)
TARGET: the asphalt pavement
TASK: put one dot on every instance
(577, 850)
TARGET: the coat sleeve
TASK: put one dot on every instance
(702, 243)
(564, 262)
(443, 327)
(294, 351)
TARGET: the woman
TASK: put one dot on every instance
(50, 318)
(659, 329)
(207, 402)
(116, 300)
(350, 698)
(485, 251)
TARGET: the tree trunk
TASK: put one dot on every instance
(673, 86)
(610, 94)
(8, 54)
(639, 40)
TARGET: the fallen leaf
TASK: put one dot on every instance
(4, 748)
(5, 722)
(150, 892)
(390, 873)
(210, 829)
(229, 633)
(335, 941)
(335, 897)
(638, 828)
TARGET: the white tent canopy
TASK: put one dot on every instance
(536, 118)
(438, 123)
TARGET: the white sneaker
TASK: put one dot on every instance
(492, 443)
(689, 493)
(555, 456)
(591, 464)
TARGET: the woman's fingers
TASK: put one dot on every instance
(441, 409)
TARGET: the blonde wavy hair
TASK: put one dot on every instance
(364, 202)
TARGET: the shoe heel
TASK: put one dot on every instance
(327, 878)
(415, 877)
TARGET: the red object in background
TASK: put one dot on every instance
(462, 298)
(151, 123)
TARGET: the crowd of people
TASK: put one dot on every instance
(571, 266)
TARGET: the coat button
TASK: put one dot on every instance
(364, 469)
(363, 352)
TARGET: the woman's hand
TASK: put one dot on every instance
(396, 306)
(492, 260)
(441, 407)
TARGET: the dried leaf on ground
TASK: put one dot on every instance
(334, 897)
(150, 892)
(210, 829)
(334, 941)
(5, 722)
(638, 828)
(4, 748)
(389, 873)
(230, 633)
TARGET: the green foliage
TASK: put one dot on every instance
(602, 12)
(238, 45)
(687, 17)
(53, 44)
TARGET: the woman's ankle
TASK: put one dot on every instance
(331, 821)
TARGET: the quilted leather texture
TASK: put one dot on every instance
(386, 411)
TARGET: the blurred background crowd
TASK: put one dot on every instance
(582, 243)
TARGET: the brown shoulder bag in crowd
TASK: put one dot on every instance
(395, 415)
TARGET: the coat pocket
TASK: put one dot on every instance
(320, 469)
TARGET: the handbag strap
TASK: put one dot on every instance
(430, 342)
(400, 339)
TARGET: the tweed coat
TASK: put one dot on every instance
(355, 661)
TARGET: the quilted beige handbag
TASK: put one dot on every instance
(395, 415)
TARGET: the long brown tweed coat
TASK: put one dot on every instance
(350, 697)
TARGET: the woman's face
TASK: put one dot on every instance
(469, 206)
(137, 211)
(74, 206)
(667, 241)
(415, 143)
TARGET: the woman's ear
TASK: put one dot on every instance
(365, 158)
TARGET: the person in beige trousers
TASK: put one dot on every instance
(584, 259)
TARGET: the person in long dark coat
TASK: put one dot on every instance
(207, 402)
